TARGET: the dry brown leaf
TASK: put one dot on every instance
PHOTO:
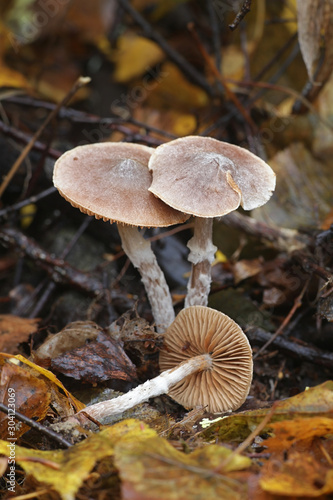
(314, 18)
(15, 330)
(28, 392)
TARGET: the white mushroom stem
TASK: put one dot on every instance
(139, 251)
(202, 254)
(150, 389)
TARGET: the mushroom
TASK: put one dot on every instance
(207, 178)
(207, 361)
(110, 181)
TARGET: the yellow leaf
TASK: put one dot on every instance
(174, 87)
(298, 476)
(288, 432)
(134, 56)
(65, 470)
(154, 469)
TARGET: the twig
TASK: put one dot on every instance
(286, 90)
(51, 286)
(242, 447)
(28, 201)
(216, 35)
(284, 239)
(37, 426)
(173, 55)
(25, 138)
(301, 351)
(285, 322)
(246, 7)
(77, 116)
(58, 270)
(78, 84)
(233, 98)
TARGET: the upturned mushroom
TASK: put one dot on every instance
(207, 361)
(207, 178)
(110, 181)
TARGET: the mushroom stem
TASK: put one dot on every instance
(149, 389)
(139, 251)
(202, 253)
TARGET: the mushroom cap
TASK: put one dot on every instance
(110, 180)
(199, 330)
(209, 178)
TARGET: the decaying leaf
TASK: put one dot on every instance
(314, 17)
(100, 360)
(298, 476)
(65, 470)
(303, 192)
(299, 430)
(313, 402)
(74, 335)
(31, 389)
(14, 330)
(154, 470)
(53, 379)
(24, 392)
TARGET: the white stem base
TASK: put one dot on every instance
(202, 254)
(139, 251)
(150, 389)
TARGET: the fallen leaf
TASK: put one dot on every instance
(303, 194)
(134, 56)
(24, 392)
(154, 470)
(15, 330)
(313, 402)
(173, 87)
(313, 17)
(53, 381)
(289, 432)
(74, 335)
(65, 470)
(98, 361)
(298, 476)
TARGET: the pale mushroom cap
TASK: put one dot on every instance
(209, 178)
(199, 330)
(110, 180)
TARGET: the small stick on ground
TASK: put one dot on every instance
(297, 304)
(245, 9)
(37, 426)
(77, 85)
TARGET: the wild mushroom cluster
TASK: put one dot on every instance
(206, 358)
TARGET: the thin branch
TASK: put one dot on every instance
(78, 84)
(245, 9)
(173, 55)
(37, 426)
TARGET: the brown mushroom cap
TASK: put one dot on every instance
(199, 330)
(209, 178)
(110, 181)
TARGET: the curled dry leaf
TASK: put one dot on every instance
(314, 20)
(98, 361)
(74, 335)
(29, 392)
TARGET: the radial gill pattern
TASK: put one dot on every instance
(200, 330)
